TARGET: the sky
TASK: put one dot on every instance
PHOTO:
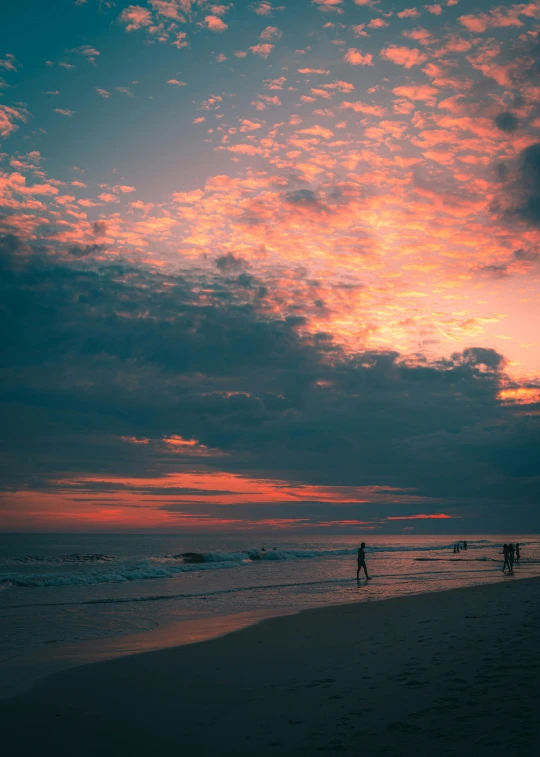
(270, 267)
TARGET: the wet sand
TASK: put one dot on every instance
(451, 673)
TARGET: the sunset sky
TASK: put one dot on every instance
(270, 266)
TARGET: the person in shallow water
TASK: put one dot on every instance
(506, 557)
(362, 561)
(518, 553)
(511, 555)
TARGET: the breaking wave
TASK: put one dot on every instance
(139, 572)
(167, 566)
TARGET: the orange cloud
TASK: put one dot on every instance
(263, 50)
(215, 24)
(403, 56)
(357, 58)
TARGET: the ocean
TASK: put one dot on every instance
(72, 598)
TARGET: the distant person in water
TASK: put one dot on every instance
(518, 554)
(465, 545)
(362, 561)
(511, 556)
(506, 558)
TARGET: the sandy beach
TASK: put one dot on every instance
(448, 673)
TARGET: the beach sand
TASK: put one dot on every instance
(448, 673)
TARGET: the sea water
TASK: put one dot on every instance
(67, 590)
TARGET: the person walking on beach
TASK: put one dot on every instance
(362, 561)
(506, 553)
(511, 554)
(518, 554)
(465, 546)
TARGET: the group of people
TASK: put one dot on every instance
(511, 554)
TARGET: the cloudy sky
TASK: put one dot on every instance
(270, 266)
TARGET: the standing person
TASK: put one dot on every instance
(455, 550)
(465, 545)
(511, 555)
(518, 554)
(362, 561)
(506, 555)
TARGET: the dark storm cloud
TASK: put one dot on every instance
(302, 197)
(85, 250)
(525, 190)
(229, 263)
(527, 255)
(495, 271)
(506, 121)
(99, 228)
(99, 353)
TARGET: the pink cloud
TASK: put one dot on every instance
(359, 30)
(421, 516)
(247, 125)
(271, 33)
(408, 13)
(8, 119)
(357, 58)
(171, 8)
(245, 149)
(419, 35)
(403, 56)
(263, 50)
(421, 92)
(264, 8)
(476, 24)
(8, 62)
(360, 107)
(180, 40)
(135, 17)
(317, 131)
(215, 24)
(322, 71)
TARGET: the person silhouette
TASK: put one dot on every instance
(511, 555)
(362, 561)
(465, 545)
(455, 550)
(506, 554)
(518, 553)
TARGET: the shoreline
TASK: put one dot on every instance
(332, 678)
(20, 672)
